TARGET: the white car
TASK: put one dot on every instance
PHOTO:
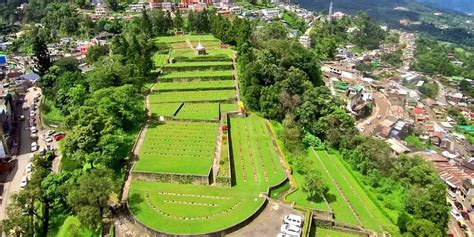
(50, 132)
(29, 167)
(368, 122)
(34, 146)
(290, 230)
(379, 116)
(33, 129)
(293, 220)
(24, 181)
(456, 215)
(285, 235)
(362, 129)
(32, 113)
(47, 139)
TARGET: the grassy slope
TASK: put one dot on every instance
(178, 147)
(196, 74)
(232, 205)
(221, 84)
(211, 95)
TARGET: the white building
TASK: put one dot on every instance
(305, 40)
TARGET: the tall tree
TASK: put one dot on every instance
(314, 185)
(146, 24)
(89, 200)
(42, 58)
(178, 21)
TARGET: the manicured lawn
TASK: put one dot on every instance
(178, 147)
(197, 64)
(301, 198)
(255, 157)
(211, 52)
(197, 74)
(229, 107)
(175, 39)
(197, 209)
(370, 215)
(160, 60)
(195, 85)
(199, 111)
(208, 95)
(340, 207)
(164, 109)
(320, 232)
(73, 227)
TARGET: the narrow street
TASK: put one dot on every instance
(381, 108)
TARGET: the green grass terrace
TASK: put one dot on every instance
(209, 111)
(208, 74)
(192, 96)
(194, 85)
(198, 209)
(178, 148)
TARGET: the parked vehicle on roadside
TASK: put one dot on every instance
(293, 220)
(24, 181)
(29, 167)
(34, 146)
(290, 230)
(456, 215)
(59, 136)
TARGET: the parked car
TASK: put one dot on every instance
(33, 129)
(379, 116)
(29, 167)
(59, 136)
(290, 230)
(22, 117)
(462, 224)
(293, 220)
(465, 215)
(47, 138)
(361, 129)
(24, 181)
(368, 122)
(456, 215)
(458, 205)
(50, 132)
(285, 235)
(32, 113)
(34, 146)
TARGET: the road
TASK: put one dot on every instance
(13, 179)
(382, 108)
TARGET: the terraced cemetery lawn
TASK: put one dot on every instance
(160, 59)
(197, 74)
(164, 109)
(178, 147)
(370, 215)
(229, 107)
(250, 140)
(208, 95)
(199, 111)
(194, 85)
(183, 38)
(320, 232)
(199, 64)
(197, 209)
(215, 52)
(341, 209)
